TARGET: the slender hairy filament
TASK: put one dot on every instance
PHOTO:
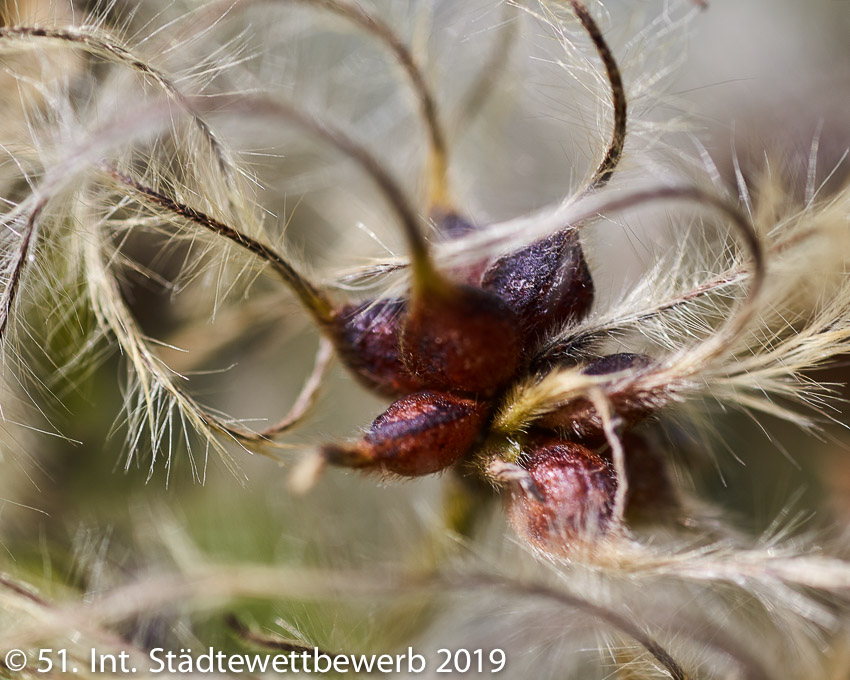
(40, 608)
(249, 581)
(151, 371)
(307, 396)
(618, 97)
(423, 269)
(617, 621)
(730, 277)
(540, 397)
(728, 334)
(278, 644)
(716, 284)
(439, 194)
(476, 97)
(618, 455)
(106, 46)
(313, 299)
(19, 263)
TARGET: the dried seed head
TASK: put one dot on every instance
(367, 337)
(461, 338)
(573, 499)
(547, 283)
(417, 435)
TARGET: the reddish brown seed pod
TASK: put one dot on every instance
(419, 434)
(462, 339)
(547, 283)
(367, 338)
(573, 499)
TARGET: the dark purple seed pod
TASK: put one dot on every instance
(417, 435)
(630, 406)
(462, 339)
(651, 495)
(367, 338)
(579, 417)
(547, 283)
(573, 499)
(614, 363)
(451, 225)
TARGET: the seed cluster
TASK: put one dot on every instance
(461, 340)
(454, 350)
(458, 345)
